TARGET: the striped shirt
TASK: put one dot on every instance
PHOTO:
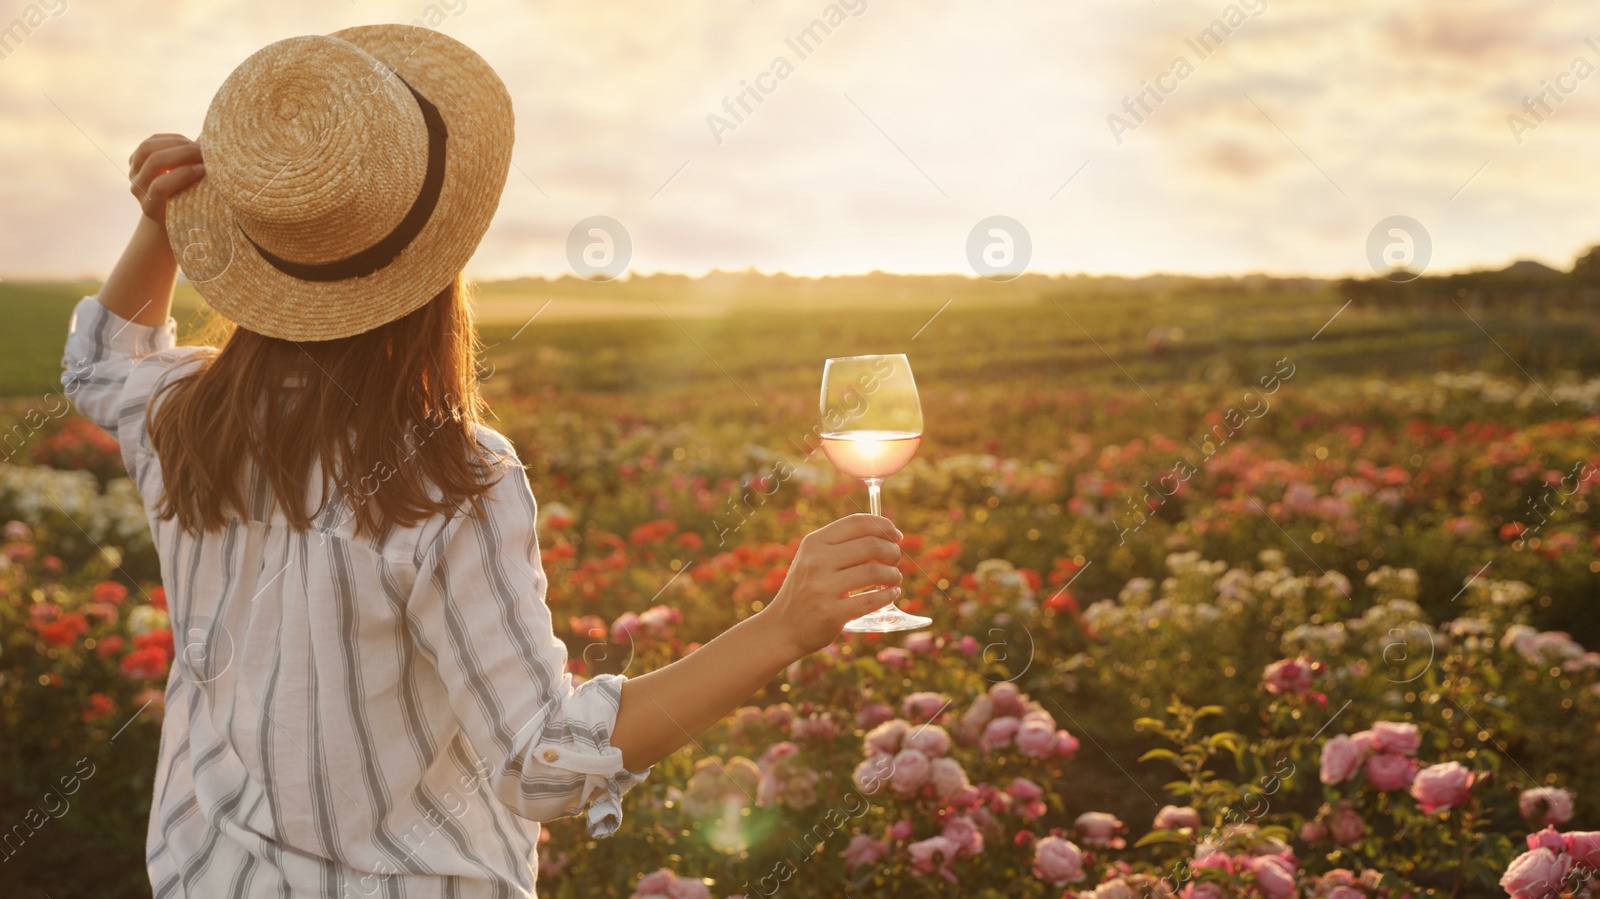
(377, 715)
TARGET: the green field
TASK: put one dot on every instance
(766, 333)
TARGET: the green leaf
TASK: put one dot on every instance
(1161, 836)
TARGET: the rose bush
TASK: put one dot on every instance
(1343, 659)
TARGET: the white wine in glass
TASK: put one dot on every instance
(871, 427)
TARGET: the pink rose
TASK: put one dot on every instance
(923, 706)
(1341, 759)
(900, 830)
(1030, 809)
(1583, 846)
(932, 856)
(800, 788)
(1443, 786)
(1390, 772)
(1289, 677)
(1536, 874)
(1398, 737)
(1205, 890)
(779, 752)
(1341, 877)
(1000, 731)
(1218, 860)
(1172, 817)
(1098, 828)
(970, 797)
(912, 770)
(688, 888)
(1057, 862)
(1274, 875)
(886, 737)
(780, 715)
(1546, 805)
(823, 727)
(872, 771)
(1549, 839)
(964, 835)
(1025, 790)
(1007, 698)
(1346, 827)
(1066, 744)
(659, 619)
(979, 714)
(745, 719)
(664, 884)
(920, 643)
(1036, 738)
(1366, 741)
(655, 883)
(968, 645)
(624, 629)
(1038, 714)
(864, 850)
(1313, 831)
(948, 778)
(894, 657)
(1345, 892)
(873, 714)
(929, 739)
(1116, 888)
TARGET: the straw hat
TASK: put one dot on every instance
(349, 178)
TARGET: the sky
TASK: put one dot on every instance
(1277, 145)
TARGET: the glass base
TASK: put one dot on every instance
(887, 620)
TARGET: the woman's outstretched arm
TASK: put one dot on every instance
(139, 288)
(661, 711)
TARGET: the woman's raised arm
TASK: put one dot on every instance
(139, 288)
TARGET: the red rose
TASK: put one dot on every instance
(110, 592)
(159, 639)
(148, 663)
(100, 705)
(64, 630)
(653, 532)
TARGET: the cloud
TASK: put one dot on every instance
(903, 128)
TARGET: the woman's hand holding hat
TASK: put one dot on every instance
(163, 165)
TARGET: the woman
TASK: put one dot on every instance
(368, 698)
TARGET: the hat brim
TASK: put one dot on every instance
(243, 287)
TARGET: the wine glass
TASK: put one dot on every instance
(871, 427)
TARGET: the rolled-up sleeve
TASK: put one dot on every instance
(102, 348)
(112, 366)
(478, 611)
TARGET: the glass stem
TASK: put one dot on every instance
(874, 503)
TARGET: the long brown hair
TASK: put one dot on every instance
(387, 413)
